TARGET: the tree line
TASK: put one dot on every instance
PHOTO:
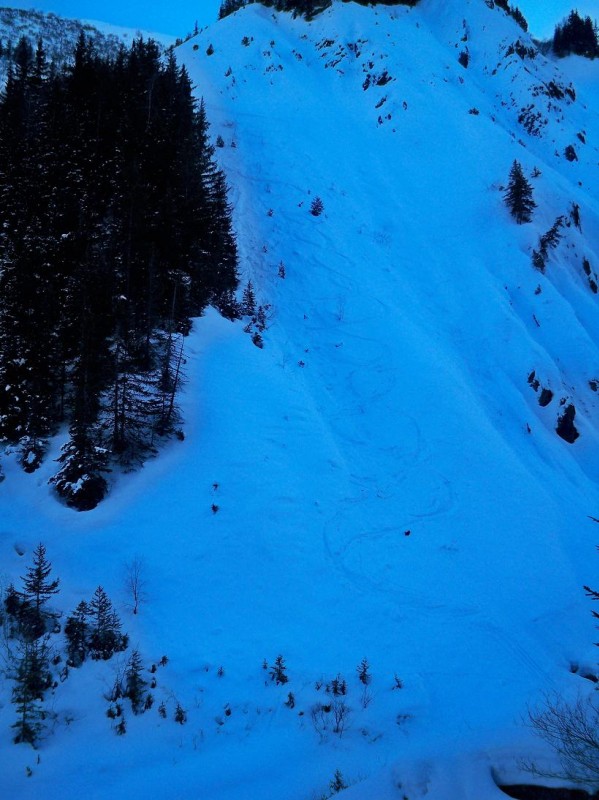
(116, 231)
(576, 35)
(305, 8)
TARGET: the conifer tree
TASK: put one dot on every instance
(228, 7)
(134, 683)
(576, 35)
(278, 672)
(76, 631)
(32, 679)
(37, 587)
(518, 196)
(248, 302)
(105, 628)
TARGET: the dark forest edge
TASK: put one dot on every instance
(116, 233)
(304, 8)
(576, 35)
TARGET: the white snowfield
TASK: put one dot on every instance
(380, 481)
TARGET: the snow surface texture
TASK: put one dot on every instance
(387, 484)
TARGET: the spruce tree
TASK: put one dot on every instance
(248, 302)
(135, 685)
(105, 628)
(32, 679)
(518, 196)
(278, 672)
(76, 631)
(576, 35)
(37, 588)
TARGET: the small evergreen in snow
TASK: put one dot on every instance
(105, 628)
(278, 672)
(135, 684)
(518, 196)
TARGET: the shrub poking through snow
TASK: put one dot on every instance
(337, 784)
(180, 715)
(316, 207)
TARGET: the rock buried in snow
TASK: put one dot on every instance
(533, 792)
(565, 425)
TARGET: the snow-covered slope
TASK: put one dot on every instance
(59, 35)
(380, 480)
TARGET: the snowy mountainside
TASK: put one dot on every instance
(60, 34)
(462, 121)
(379, 480)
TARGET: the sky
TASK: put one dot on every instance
(179, 18)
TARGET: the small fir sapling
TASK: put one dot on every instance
(338, 783)
(32, 679)
(248, 301)
(337, 687)
(261, 318)
(162, 710)
(278, 672)
(550, 239)
(12, 601)
(135, 685)
(553, 236)
(38, 588)
(316, 207)
(180, 715)
(363, 670)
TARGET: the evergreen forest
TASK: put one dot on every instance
(116, 231)
(576, 35)
(306, 8)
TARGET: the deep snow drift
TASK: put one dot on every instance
(386, 483)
